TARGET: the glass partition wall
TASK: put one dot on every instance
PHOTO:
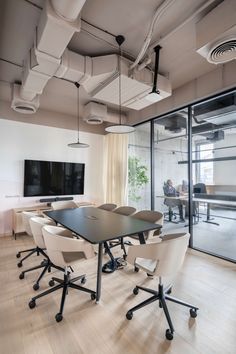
(171, 177)
(168, 167)
(139, 167)
(214, 166)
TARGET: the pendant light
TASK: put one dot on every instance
(154, 95)
(78, 144)
(120, 128)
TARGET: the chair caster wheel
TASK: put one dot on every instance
(136, 291)
(32, 304)
(59, 317)
(18, 255)
(21, 276)
(36, 286)
(19, 265)
(136, 269)
(51, 283)
(193, 313)
(42, 263)
(160, 304)
(93, 296)
(125, 257)
(169, 334)
(129, 315)
(169, 291)
(83, 280)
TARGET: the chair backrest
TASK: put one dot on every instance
(199, 188)
(36, 224)
(107, 206)
(155, 217)
(60, 244)
(26, 216)
(125, 210)
(65, 204)
(168, 254)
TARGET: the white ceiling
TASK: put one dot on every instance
(131, 18)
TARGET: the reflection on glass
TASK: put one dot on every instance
(214, 152)
(171, 185)
(139, 180)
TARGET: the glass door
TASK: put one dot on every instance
(214, 171)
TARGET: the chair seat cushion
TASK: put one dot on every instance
(70, 257)
(148, 265)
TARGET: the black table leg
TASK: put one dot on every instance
(141, 238)
(99, 272)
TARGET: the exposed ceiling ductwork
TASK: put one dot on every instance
(50, 57)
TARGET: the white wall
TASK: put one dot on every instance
(19, 141)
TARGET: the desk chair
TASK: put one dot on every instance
(65, 204)
(107, 206)
(163, 258)
(37, 223)
(63, 250)
(152, 216)
(40, 245)
(127, 211)
(26, 215)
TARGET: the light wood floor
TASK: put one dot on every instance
(91, 328)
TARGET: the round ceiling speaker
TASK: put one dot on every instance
(222, 51)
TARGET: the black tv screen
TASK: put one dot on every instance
(45, 178)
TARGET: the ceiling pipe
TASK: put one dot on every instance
(68, 10)
(58, 22)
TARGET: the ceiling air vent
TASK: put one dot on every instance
(95, 113)
(216, 33)
(21, 105)
(222, 52)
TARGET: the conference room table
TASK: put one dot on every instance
(98, 226)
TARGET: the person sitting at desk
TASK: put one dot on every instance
(170, 191)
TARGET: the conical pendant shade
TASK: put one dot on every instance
(78, 144)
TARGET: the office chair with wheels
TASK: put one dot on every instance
(171, 204)
(65, 204)
(63, 250)
(127, 211)
(161, 259)
(152, 216)
(107, 206)
(26, 215)
(37, 224)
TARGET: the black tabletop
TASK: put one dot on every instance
(97, 225)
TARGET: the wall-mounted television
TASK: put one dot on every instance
(45, 178)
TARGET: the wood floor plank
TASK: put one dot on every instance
(89, 328)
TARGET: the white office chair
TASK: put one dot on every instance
(152, 216)
(127, 211)
(65, 204)
(107, 206)
(26, 215)
(63, 250)
(36, 224)
(163, 258)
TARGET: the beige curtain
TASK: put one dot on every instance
(116, 168)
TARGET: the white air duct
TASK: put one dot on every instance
(58, 22)
(103, 85)
(216, 33)
(95, 113)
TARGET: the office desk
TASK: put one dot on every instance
(98, 226)
(212, 199)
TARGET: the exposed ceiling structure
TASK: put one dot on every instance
(45, 46)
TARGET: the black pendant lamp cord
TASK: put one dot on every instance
(78, 109)
(119, 68)
(119, 40)
(157, 51)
